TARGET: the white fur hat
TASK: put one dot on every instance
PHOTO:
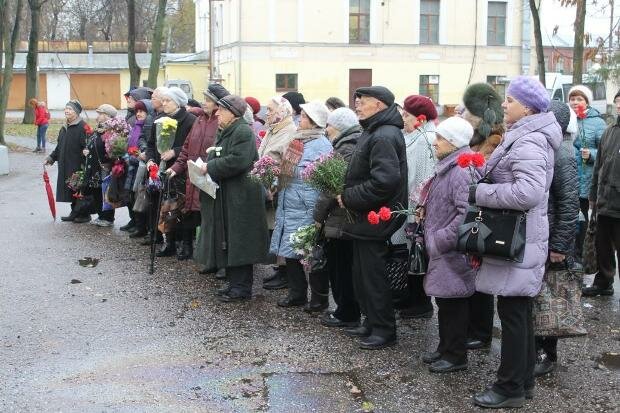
(583, 91)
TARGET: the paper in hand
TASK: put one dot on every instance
(203, 182)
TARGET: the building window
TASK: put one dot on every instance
(496, 24)
(499, 84)
(359, 21)
(286, 82)
(429, 86)
(429, 22)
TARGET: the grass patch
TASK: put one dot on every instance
(14, 127)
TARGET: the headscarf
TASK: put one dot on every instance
(283, 111)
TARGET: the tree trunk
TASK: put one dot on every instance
(540, 55)
(580, 21)
(32, 60)
(9, 59)
(156, 48)
(55, 15)
(134, 69)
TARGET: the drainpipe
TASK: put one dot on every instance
(90, 55)
(526, 40)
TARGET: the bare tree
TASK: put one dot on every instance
(134, 69)
(156, 49)
(51, 18)
(32, 58)
(10, 37)
(579, 25)
(540, 55)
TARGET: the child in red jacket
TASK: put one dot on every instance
(41, 119)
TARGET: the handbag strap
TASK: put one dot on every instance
(486, 175)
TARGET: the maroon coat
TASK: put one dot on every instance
(201, 137)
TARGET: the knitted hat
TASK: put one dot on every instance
(418, 105)
(582, 91)
(107, 109)
(342, 119)
(75, 105)
(176, 94)
(295, 99)
(140, 93)
(529, 92)
(334, 103)
(140, 106)
(254, 104)
(378, 92)
(317, 111)
(456, 130)
(561, 111)
(234, 104)
(481, 100)
(215, 92)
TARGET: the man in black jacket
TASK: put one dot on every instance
(376, 177)
(605, 199)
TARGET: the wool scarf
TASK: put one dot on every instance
(294, 152)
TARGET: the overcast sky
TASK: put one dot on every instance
(597, 17)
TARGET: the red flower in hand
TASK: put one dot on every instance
(464, 159)
(153, 171)
(88, 129)
(133, 151)
(385, 214)
(477, 159)
(373, 218)
(262, 134)
(581, 111)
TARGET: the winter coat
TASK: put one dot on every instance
(563, 209)
(233, 229)
(605, 191)
(201, 137)
(41, 116)
(326, 205)
(376, 176)
(521, 181)
(185, 122)
(297, 200)
(589, 136)
(277, 139)
(97, 162)
(449, 274)
(151, 140)
(68, 154)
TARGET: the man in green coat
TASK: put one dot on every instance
(233, 233)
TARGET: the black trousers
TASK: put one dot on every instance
(98, 203)
(481, 310)
(453, 318)
(339, 255)
(371, 286)
(607, 249)
(584, 206)
(518, 354)
(240, 279)
(548, 345)
(191, 220)
(297, 283)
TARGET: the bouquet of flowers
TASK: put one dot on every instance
(166, 128)
(154, 183)
(115, 137)
(265, 172)
(76, 180)
(326, 174)
(302, 242)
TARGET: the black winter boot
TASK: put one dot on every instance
(186, 252)
(169, 250)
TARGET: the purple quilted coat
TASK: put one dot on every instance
(449, 274)
(521, 182)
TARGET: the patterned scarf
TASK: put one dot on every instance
(293, 154)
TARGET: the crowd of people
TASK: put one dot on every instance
(553, 161)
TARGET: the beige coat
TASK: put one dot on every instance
(276, 141)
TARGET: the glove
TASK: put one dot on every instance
(472, 194)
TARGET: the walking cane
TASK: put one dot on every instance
(162, 177)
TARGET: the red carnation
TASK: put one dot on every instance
(133, 150)
(153, 171)
(581, 111)
(385, 214)
(262, 134)
(373, 218)
(464, 159)
(422, 118)
(88, 129)
(478, 159)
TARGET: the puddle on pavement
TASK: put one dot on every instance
(610, 360)
(88, 262)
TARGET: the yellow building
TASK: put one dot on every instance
(326, 48)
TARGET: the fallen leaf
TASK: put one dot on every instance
(355, 390)
(75, 281)
(195, 304)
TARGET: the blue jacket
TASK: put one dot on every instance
(589, 135)
(296, 201)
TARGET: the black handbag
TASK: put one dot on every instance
(318, 258)
(489, 232)
(397, 266)
(418, 257)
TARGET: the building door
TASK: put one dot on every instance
(93, 90)
(358, 78)
(17, 92)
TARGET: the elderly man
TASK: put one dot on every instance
(376, 177)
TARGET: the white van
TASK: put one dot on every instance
(184, 85)
(558, 86)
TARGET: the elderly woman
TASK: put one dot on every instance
(69, 155)
(280, 132)
(343, 130)
(233, 231)
(521, 177)
(297, 199)
(449, 278)
(174, 101)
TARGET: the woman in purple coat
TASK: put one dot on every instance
(450, 277)
(520, 181)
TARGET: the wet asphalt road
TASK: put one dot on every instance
(122, 340)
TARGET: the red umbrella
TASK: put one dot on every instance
(50, 193)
